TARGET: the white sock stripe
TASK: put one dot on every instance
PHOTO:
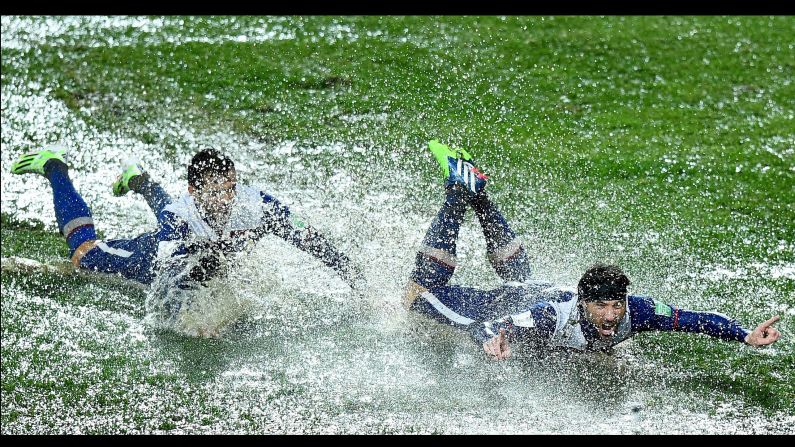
(75, 223)
(114, 251)
(506, 251)
(446, 311)
(443, 256)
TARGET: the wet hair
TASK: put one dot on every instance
(603, 282)
(208, 162)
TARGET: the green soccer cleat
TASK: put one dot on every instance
(131, 168)
(457, 166)
(34, 163)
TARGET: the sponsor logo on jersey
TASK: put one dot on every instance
(662, 309)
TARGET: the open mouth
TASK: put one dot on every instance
(607, 330)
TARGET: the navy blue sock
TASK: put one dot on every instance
(435, 263)
(71, 212)
(495, 228)
(444, 229)
(505, 252)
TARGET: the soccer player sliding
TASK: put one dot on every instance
(596, 316)
(214, 221)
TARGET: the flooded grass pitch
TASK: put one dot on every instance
(663, 144)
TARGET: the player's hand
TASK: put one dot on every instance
(498, 347)
(764, 334)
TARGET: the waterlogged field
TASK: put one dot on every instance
(663, 144)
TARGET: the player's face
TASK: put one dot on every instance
(215, 195)
(605, 315)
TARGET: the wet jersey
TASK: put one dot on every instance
(545, 315)
(190, 252)
(254, 214)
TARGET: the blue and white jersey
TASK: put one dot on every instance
(253, 215)
(548, 316)
(190, 252)
(183, 232)
(562, 323)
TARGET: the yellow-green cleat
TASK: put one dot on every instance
(34, 163)
(131, 168)
(457, 166)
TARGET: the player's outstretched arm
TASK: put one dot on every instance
(277, 220)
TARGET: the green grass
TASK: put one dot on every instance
(30, 240)
(681, 125)
(705, 365)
